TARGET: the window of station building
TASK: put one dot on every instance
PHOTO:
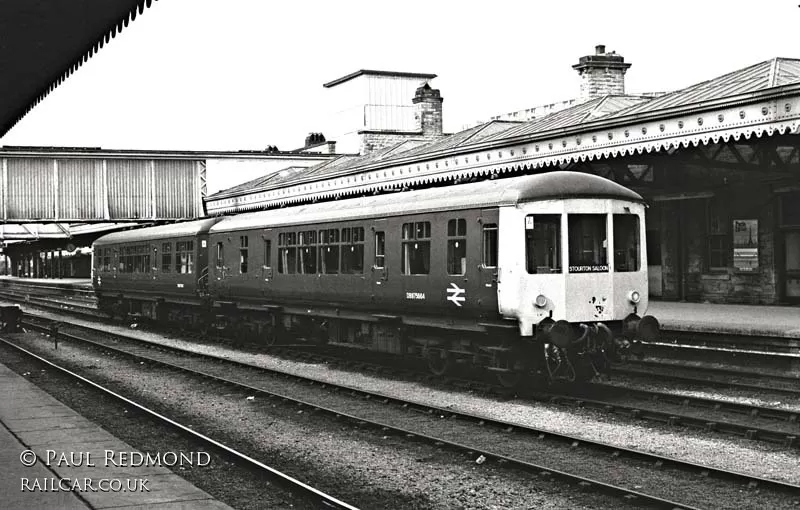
(790, 209)
(489, 245)
(380, 250)
(457, 247)
(220, 256)
(353, 250)
(653, 238)
(184, 257)
(416, 254)
(267, 253)
(329, 251)
(627, 245)
(287, 253)
(244, 242)
(166, 257)
(718, 235)
(588, 243)
(307, 255)
(543, 243)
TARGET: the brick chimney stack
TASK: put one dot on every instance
(428, 110)
(601, 74)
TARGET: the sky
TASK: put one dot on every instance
(245, 74)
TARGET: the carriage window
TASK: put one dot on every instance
(121, 260)
(416, 257)
(380, 250)
(267, 253)
(543, 243)
(184, 257)
(244, 242)
(220, 255)
(307, 262)
(353, 250)
(329, 251)
(626, 242)
(166, 257)
(457, 247)
(107, 260)
(490, 245)
(588, 244)
(287, 253)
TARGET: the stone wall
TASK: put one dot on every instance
(377, 140)
(685, 222)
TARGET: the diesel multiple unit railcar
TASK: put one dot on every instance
(542, 273)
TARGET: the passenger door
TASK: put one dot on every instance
(222, 270)
(266, 264)
(378, 262)
(489, 268)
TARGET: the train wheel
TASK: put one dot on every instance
(270, 335)
(439, 361)
(509, 379)
(514, 362)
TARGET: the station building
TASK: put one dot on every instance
(718, 163)
(55, 201)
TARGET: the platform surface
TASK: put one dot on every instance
(746, 320)
(31, 419)
(61, 282)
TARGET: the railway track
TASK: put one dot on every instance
(749, 421)
(303, 490)
(425, 418)
(712, 376)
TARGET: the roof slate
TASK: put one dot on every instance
(770, 73)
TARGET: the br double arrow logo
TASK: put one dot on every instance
(455, 294)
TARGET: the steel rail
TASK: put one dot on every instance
(296, 485)
(752, 432)
(701, 381)
(616, 451)
(671, 418)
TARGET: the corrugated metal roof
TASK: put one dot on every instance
(189, 228)
(585, 112)
(466, 137)
(509, 191)
(770, 73)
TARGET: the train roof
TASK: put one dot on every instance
(490, 193)
(185, 229)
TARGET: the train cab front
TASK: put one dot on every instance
(582, 289)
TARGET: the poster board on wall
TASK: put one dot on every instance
(745, 245)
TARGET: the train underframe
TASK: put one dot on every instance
(555, 351)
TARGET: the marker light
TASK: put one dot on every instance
(634, 297)
(541, 301)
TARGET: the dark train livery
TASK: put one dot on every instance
(539, 273)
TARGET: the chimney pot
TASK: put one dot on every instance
(601, 74)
